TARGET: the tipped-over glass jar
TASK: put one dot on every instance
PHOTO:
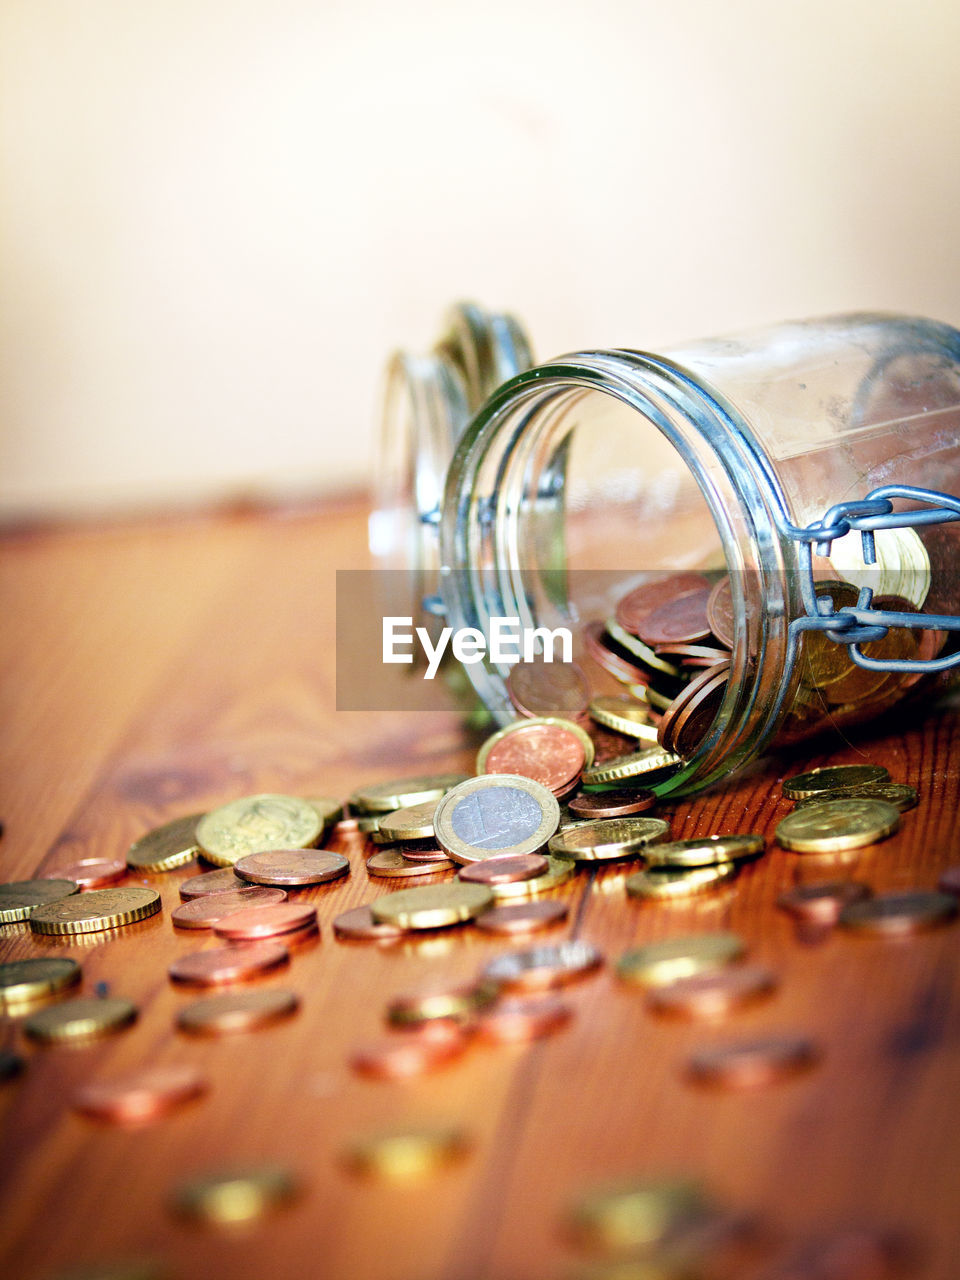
(750, 539)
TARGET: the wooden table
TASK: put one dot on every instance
(158, 668)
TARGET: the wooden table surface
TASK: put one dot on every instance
(158, 668)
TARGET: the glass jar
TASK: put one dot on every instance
(805, 473)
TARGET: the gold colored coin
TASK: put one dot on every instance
(328, 809)
(238, 1195)
(662, 962)
(385, 797)
(835, 825)
(608, 838)
(27, 982)
(389, 864)
(451, 1003)
(369, 824)
(172, 845)
(95, 910)
(498, 813)
(432, 907)
(407, 1155)
(79, 1021)
(558, 871)
(20, 898)
(663, 882)
(257, 824)
(624, 715)
(631, 1218)
(635, 646)
(821, 660)
(827, 782)
(651, 761)
(558, 722)
(899, 794)
(415, 822)
(231, 1013)
(705, 851)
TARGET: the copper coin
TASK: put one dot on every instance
(600, 648)
(390, 864)
(541, 968)
(710, 995)
(822, 902)
(637, 605)
(720, 612)
(519, 1021)
(292, 866)
(142, 1096)
(691, 715)
(420, 851)
(243, 1011)
(505, 869)
(694, 655)
(615, 803)
(547, 753)
(549, 689)
(267, 922)
(211, 882)
(892, 914)
(406, 1054)
(359, 925)
(682, 620)
(950, 880)
(228, 964)
(204, 912)
(523, 917)
(91, 873)
(748, 1064)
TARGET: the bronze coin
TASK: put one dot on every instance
(439, 1004)
(637, 605)
(682, 620)
(599, 646)
(822, 902)
(228, 964)
(548, 689)
(242, 1011)
(292, 866)
(542, 968)
(211, 882)
(359, 925)
(389, 864)
(142, 1096)
(694, 655)
(523, 917)
(505, 869)
(420, 851)
(519, 1021)
(895, 914)
(267, 922)
(692, 713)
(615, 803)
(406, 1054)
(204, 912)
(748, 1064)
(720, 612)
(711, 995)
(91, 873)
(547, 753)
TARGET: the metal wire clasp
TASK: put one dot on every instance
(859, 624)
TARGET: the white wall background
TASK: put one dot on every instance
(218, 216)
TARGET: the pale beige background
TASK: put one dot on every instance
(218, 216)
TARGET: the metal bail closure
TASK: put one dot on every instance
(859, 624)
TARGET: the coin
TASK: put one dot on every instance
(96, 909)
(835, 825)
(653, 663)
(705, 851)
(328, 809)
(639, 603)
(618, 802)
(359, 925)
(237, 1195)
(522, 917)
(256, 824)
(228, 964)
(407, 1155)
(822, 661)
(680, 620)
(898, 794)
(205, 911)
(91, 873)
(19, 898)
(624, 715)
(542, 968)
(831, 779)
(28, 982)
(890, 914)
(142, 1096)
(690, 716)
(658, 963)
(652, 762)
(79, 1021)
(292, 866)
(505, 869)
(404, 1055)
(720, 613)
(606, 654)
(748, 1064)
(421, 851)
(518, 1021)
(569, 727)
(548, 689)
(211, 882)
(385, 797)
(433, 906)
(711, 995)
(267, 922)
(612, 838)
(630, 1219)
(455, 1003)
(495, 814)
(243, 1011)
(559, 870)
(665, 882)
(415, 822)
(390, 865)
(821, 903)
(548, 753)
(172, 845)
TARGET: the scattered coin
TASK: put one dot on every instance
(618, 802)
(821, 903)
(898, 794)
(256, 824)
(835, 825)
(228, 964)
(624, 715)
(203, 912)
(422, 851)
(651, 763)
(544, 689)
(711, 995)
(11, 1065)
(292, 867)
(495, 814)
(558, 872)
(390, 865)
(96, 909)
(20, 898)
(407, 1155)
(28, 982)
(405, 1055)
(505, 869)
(748, 1064)
(518, 1021)
(91, 873)
(833, 778)
(522, 917)
(632, 1218)
(552, 754)
(243, 1011)
(608, 839)
(891, 914)
(385, 797)
(434, 906)
(172, 845)
(328, 809)
(658, 963)
(454, 1003)
(542, 968)
(668, 882)
(144, 1095)
(236, 1195)
(415, 822)
(79, 1021)
(211, 882)
(359, 925)
(705, 851)
(267, 922)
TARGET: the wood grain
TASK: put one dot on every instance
(158, 668)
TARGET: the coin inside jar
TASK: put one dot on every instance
(141, 1096)
(505, 869)
(522, 917)
(205, 911)
(752, 1063)
(292, 867)
(548, 689)
(642, 601)
(495, 814)
(228, 964)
